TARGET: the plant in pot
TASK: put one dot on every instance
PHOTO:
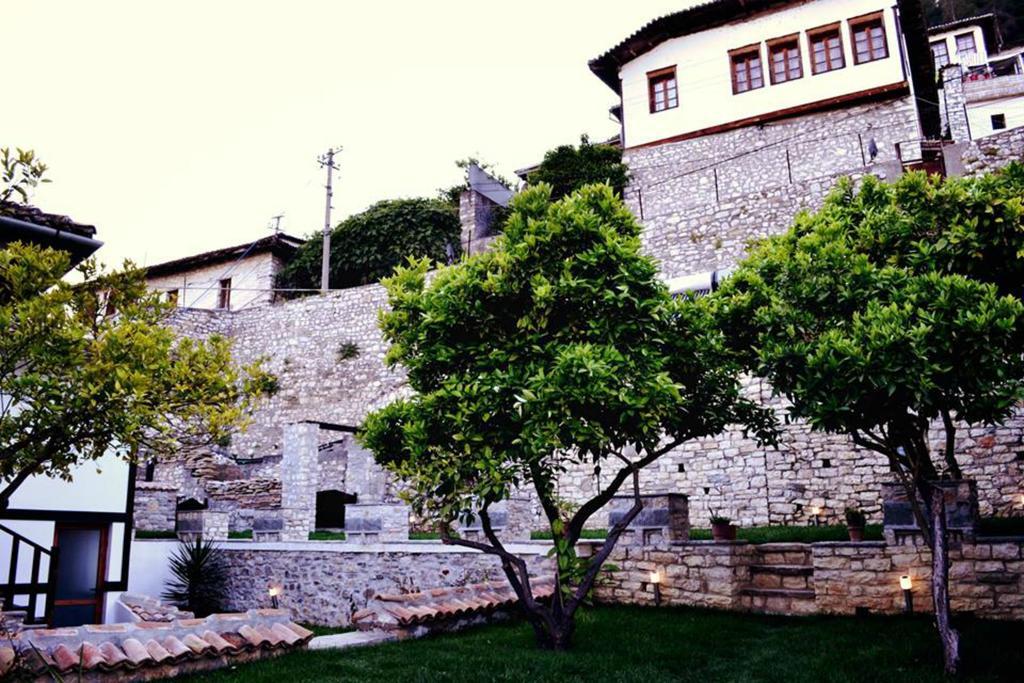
(855, 521)
(722, 528)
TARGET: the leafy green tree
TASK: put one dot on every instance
(20, 172)
(558, 347)
(567, 168)
(90, 368)
(367, 246)
(872, 318)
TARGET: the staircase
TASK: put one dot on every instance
(781, 580)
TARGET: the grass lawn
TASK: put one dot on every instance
(671, 644)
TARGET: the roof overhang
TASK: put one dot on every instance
(77, 245)
(278, 244)
(987, 23)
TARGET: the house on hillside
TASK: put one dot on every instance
(226, 279)
(64, 545)
(982, 80)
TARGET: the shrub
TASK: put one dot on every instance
(567, 168)
(198, 578)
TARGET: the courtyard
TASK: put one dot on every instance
(668, 644)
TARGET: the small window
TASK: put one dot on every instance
(998, 121)
(940, 53)
(826, 50)
(662, 89)
(965, 44)
(224, 296)
(868, 39)
(746, 69)
(150, 470)
(171, 296)
(784, 56)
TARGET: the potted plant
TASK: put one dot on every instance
(855, 524)
(722, 528)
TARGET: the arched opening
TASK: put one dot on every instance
(330, 508)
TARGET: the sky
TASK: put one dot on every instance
(181, 127)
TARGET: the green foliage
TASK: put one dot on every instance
(347, 350)
(199, 579)
(367, 246)
(327, 535)
(854, 517)
(243, 535)
(792, 534)
(558, 347)
(78, 380)
(20, 172)
(451, 195)
(884, 310)
(567, 168)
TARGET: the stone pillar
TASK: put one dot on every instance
(372, 519)
(954, 103)
(665, 518)
(299, 471)
(476, 213)
(205, 524)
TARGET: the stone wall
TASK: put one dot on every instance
(155, 506)
(325, 583)
(702, 200)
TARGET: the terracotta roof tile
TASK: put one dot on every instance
(64, 657)
(285, 634)
(92, 657)
(218, 643)
(113, 655)
(158, 651)
(135, 651)
(177, 648)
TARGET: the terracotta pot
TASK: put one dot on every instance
(723, 532)
(856, 533)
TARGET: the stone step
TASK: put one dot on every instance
(789, 593)
(784, 553)
(782, 547)
(783, 569)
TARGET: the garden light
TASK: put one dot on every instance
(273, 592)
(656, 584)
(908, 598)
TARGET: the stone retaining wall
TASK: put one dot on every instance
(326, 583)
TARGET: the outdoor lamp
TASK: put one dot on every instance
(656, 583)
(908, 598)
(274, 591)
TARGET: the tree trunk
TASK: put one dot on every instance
(556, 636)
(940, 581)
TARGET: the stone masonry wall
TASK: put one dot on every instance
(326, 583)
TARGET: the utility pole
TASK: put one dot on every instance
(327, 160)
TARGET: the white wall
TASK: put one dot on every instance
(979, 115)
(148, 573)
(705, 82)
(949, 37)
(199, 287)
(97, 486)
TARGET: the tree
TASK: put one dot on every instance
(367, 246)
(90, 368)
(872, 319)
(560, 346)
(567, 168)
(20, 172)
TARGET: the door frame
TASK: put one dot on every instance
(101, 570)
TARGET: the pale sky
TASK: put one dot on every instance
(180, 127)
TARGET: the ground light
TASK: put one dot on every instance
(908, 598)
(656, 584)
(273, 592)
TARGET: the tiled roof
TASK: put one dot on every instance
(30, 214)
(406, 610)
(279, 244)
(145, 608)
(150, 650)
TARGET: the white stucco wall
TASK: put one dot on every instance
(979, 115)
(251, 278)
(704, 78)
(98, 486)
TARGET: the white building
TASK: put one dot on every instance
(64, 545)
(226, 279)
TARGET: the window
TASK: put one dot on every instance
(940, 53)
(662, 90)
(965, 44)
(150, 470)
(171, 296)
(784, 56)
(998, 121)
(224, 296)
(746, 69)
(868, 39)
(826, 50)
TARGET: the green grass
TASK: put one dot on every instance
(545, 534)
(327, 630)
(327, 535)
(160, 533)
(240, 535)
(1001, 526)
(424, 536)
(672, 644)
(758, 534)
(792, 534)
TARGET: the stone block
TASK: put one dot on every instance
(205, 524)
(665, 518)
(376, 523)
